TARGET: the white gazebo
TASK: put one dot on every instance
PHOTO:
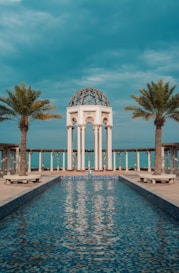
(89, 106)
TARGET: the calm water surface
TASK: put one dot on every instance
(89, 226)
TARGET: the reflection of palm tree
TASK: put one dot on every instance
(156, 102)
(24, 105)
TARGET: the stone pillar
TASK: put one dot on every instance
(29, 161)
(63, 159)
(79, 148)
(163, 158)
(70, 146)
(127, 168)
(166, 161)
(149, 161)
(83, 147)
(100, 148)
(138, 161)
(120, 161)
(171, 160)
(17, 160)
(96, 147)
(40, 161)
(51, 161)
(109, 148)
(58, 161)
(114, 160)
(8, 161)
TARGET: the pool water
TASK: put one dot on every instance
(89, 226)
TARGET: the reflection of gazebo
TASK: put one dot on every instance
(89, 105)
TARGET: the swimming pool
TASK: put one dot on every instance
(89, 226)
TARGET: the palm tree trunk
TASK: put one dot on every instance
(158, 149)
(22, 170)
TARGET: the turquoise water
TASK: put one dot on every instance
(89, 226)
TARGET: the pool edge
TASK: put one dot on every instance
(167, 206)
(10, 206)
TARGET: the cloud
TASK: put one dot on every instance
(8, 2)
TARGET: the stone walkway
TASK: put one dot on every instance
(169, 192)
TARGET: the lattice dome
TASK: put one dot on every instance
(89, 96)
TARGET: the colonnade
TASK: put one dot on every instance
(56, 160)
(98, 159)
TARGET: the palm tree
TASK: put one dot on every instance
(156, 102)
(24, 105)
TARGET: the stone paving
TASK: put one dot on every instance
(169, 192)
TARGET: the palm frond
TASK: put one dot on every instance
(46, 116)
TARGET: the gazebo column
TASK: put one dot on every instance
(149, 161)
(100, 147)
(70, 146)
(83, 147)
(96, 147)
(79, 149)
(109, 148)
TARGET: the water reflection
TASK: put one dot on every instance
(89, 217)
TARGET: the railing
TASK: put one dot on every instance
(56, 159)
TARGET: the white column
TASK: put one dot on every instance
(29, 161)
(175, 160)
(171, 160)
(120, 161)
(63, 163)
(8, 161)
(126, 161)
(79, 148)
(100, 148)
(138, 161)
(70, 147)
(163, 159)
(114, 160)
(51, 161)
(166, 160)
(149, 161)
(96, 147)
(109, 148)
(83, 147)
(40, 161)
(17, 160)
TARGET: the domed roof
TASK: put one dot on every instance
(89, 96)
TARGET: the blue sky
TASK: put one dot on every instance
(62, 46)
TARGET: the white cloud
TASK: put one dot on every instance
(7, 2)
